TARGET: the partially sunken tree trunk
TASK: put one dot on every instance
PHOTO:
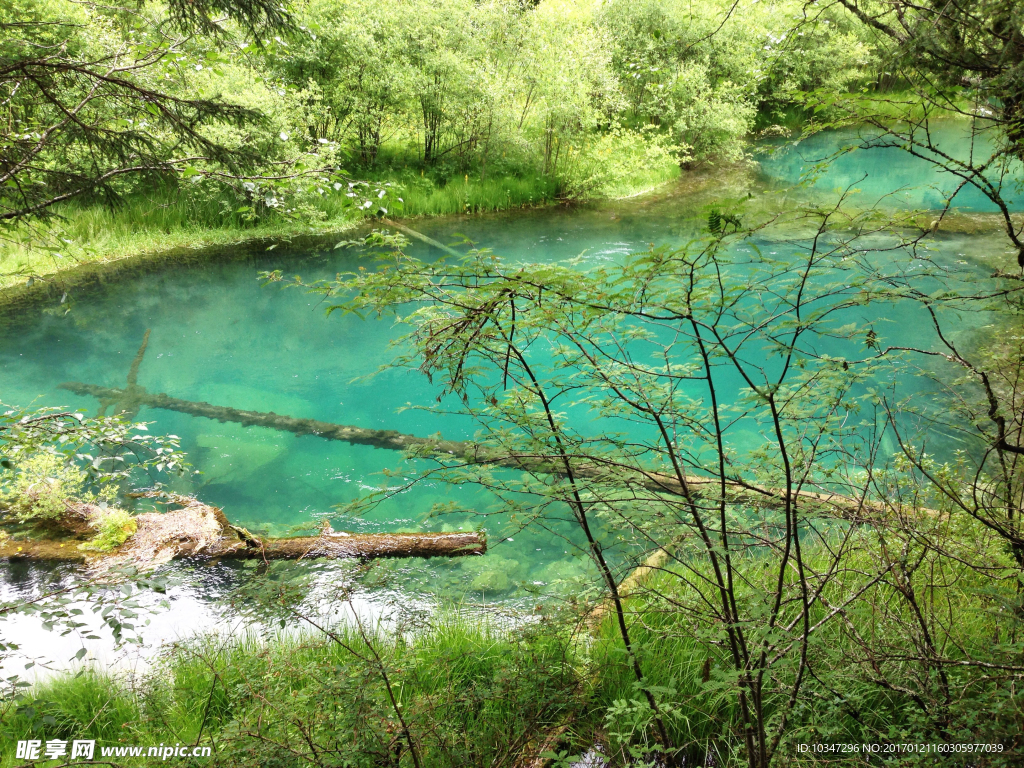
(198, 530)
(131, 398)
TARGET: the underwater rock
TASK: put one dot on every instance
(491, 574)
(490, 581)
(234, 453)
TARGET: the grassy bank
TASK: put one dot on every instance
(165, 221)
(140, 226)
(168, 220)
(467, 693)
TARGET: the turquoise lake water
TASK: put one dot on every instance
(889, 176)
(219, 336)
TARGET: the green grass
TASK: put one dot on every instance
(165, 220)
(142, 224)
(61, 706)
(856, 692)
(674, 662)
(425, 197)
(642, 181)
(469, 693)
(475, 694)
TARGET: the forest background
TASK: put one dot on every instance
(362, 107)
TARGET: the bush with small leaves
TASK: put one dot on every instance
(41, 484)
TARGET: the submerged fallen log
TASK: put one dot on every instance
(198, 530)
(628, 586)
(469, 452)
(423, 238)
(379, 438)
(132, 397)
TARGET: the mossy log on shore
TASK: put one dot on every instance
(693, 486)
(198, 530)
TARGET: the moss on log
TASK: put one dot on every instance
(42, 549)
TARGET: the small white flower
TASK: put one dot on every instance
(284, 136)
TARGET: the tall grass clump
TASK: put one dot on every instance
(461, 693)
(465, 195)
(61, 707)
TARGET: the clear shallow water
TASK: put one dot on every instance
(193, 603)
(218, 336)
(890, 176)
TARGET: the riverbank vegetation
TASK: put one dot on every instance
(268, 124)
(464, 689)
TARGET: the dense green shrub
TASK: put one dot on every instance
(41, 483)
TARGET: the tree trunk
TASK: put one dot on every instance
(201, 531)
